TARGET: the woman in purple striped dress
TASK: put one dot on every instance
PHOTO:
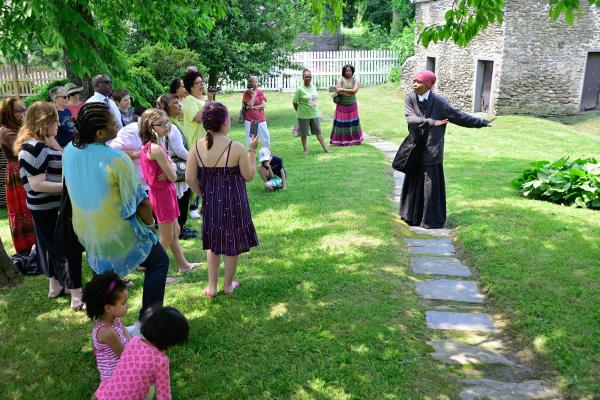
(217, 170)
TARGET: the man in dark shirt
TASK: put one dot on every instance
(271, 170)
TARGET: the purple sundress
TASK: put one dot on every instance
(227, 226)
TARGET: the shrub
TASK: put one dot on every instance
(42, 91)
(572, 183)
(405, 42)
(396, 74)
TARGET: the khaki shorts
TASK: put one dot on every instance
(312, 124)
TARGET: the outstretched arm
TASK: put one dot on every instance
(461, 118)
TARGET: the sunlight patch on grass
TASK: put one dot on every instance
(278, 310)
(347, 243)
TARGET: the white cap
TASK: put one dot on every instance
(264, 154)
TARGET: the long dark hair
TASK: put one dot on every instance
(214, 116)
(91, 118)
(8, 116)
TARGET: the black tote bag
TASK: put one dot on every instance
(66, 243)
(408, 156)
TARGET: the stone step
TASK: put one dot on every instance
(487, 389)
(431, 232)
(439, 266)
(446, 289)
(474, 322)
(450, 352)
(429, 243)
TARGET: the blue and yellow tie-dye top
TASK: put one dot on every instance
(105, 193)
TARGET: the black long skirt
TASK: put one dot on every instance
(66, 270)
(423, 198)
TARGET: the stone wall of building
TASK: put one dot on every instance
(456, 66)
(539, 64)
(544, 60)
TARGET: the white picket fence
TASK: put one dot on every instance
(372, 67)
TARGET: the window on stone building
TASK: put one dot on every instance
(590, 95)
(483, 85)
(430, 66)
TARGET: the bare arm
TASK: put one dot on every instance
(40, 184)
(159, 155)
(144, 211)
(283, 179)
(133, 154)
(109, 336)
(191, 171)
(247, 159)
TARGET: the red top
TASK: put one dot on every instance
(255, 115)
(74, 109)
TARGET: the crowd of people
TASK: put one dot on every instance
(101, 178)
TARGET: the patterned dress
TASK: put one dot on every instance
(346, 129)
(227, 226)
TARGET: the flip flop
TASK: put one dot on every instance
(207, 294)
(234, 285)
(192, 267)
(170, 281)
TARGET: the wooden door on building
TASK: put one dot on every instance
(483, 85)
(590, 95)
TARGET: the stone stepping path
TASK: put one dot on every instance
(439, 266)
(436, 255)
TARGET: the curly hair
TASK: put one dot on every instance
(38, 119)
(348, 66)
(150, 117)
(102, 290)
(165, 327)
(189, 79)
(165, 102)
(91, 118)
(214, 116)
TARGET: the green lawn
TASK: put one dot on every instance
(327, 309)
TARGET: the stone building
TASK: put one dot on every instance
(529, 64)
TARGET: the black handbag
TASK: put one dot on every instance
(408, 156)
(66, 242)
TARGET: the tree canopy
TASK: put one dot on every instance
(467, 18)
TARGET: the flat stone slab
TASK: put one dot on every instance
(474, 322)
(442, 232)
(487, 389)
(450, 352)
(439, 266)
(447, 289)
(429, 243)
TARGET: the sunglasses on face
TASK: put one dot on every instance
(107, 82)
(62, 97)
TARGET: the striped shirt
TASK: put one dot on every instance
(36, 158)
(106, 358)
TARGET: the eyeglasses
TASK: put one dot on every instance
(108, 82)
(61, 97)
(165, 124)
(199, 83)
(20, 110)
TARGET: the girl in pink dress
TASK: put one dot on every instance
(160, 176)
(143, 362)
(105, 298)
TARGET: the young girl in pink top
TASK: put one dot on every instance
(143, 362)
(159, 174)
(105, 297)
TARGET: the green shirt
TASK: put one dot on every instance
(306, 97)
(190, 107)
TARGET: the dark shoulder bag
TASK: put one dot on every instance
(66, 242)
(179, 162)
(408, 156)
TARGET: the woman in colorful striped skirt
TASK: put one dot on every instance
(346, 129)
(19, 216)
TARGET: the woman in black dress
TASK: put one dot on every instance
(423, 198)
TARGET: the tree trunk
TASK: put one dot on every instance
(395, 28)
(9, 274)
(85, 82)
(213, 80)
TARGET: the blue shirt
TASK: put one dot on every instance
(105, 193)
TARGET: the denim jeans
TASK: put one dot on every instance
(157, 265)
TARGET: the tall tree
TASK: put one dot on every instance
(253, 38)
(467, 18)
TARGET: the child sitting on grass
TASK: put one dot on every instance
(105, 297)
(143, 362)
(271, 170)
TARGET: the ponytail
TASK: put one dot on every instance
(209, 139)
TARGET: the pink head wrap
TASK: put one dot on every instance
(426, 77)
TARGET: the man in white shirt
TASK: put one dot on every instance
(102, 89)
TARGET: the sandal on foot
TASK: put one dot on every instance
(192, 267)
(207, 294)
(234, 285)
(170, 281)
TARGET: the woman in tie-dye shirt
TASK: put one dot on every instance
(111, 212)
